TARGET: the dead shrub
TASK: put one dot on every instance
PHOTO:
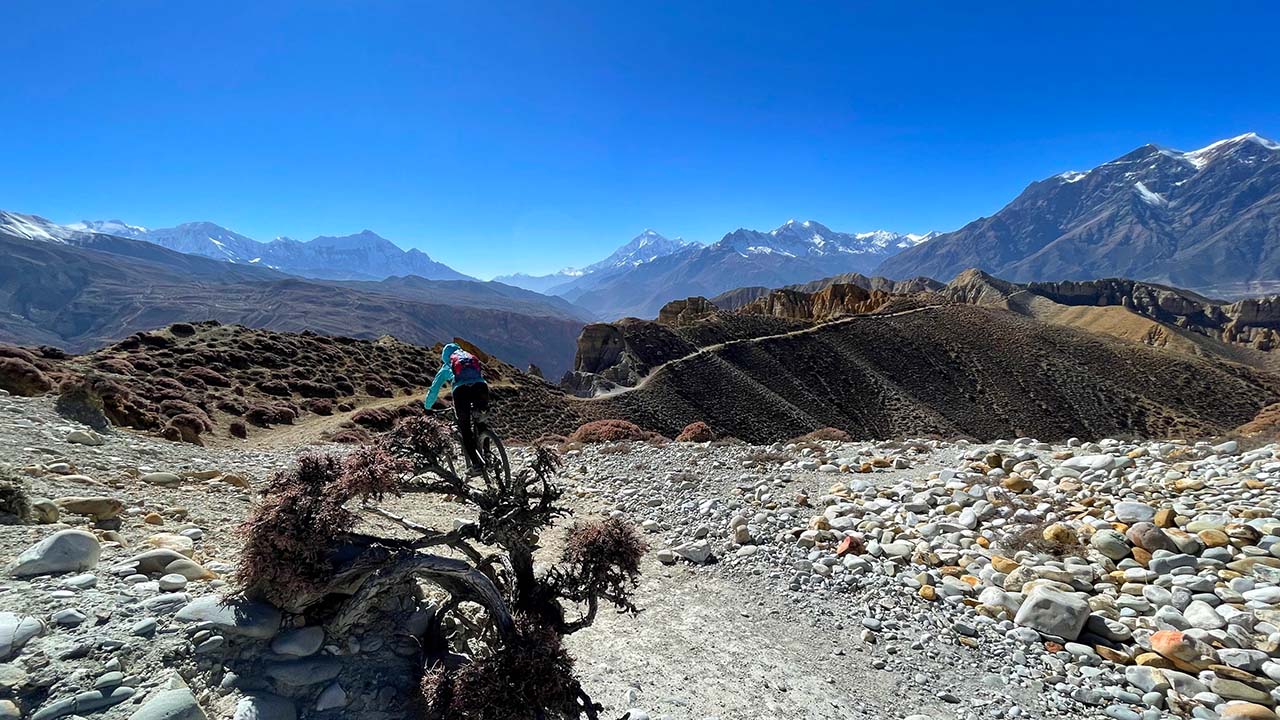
(1031, 537)
(527, 677)
(768, 458)
(826, 434)
(78, 401)
(15, 502)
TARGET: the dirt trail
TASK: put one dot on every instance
(720, 346)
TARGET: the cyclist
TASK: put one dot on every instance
(470, 394)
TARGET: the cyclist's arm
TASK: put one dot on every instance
(443, 376)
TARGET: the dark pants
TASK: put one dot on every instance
(467, 400)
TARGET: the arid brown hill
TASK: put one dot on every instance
(1244, 331)
(206, 381)
(949, 370)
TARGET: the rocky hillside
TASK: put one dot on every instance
(740, 297)
(207, 383)
(1251, 323)
(947, 370)
(1208, 220)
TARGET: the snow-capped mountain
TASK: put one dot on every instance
(793, 253)
(362, 256)
(812, 239)
(1207, 220)
(34, 227)
(643, 248)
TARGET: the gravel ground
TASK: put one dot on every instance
(820, 580)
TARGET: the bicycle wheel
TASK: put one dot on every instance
(494, 457)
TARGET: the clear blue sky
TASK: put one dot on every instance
(529, 136)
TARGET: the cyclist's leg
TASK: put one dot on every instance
(463, 404)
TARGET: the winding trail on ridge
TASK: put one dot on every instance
(720, 346)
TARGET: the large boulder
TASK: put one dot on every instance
(234, 616)
(62, 552)
(1053, 612)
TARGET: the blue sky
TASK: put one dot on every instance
(529, 136)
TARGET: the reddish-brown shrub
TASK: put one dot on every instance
(13, 351)
(377, 389)
(22, 378)
(696, 432)
(208, 376)
(309, 389)
(182, 329)
(599, 431)
(274, 388)
(231, 406)
(239, 430)
(290, 537)
(319, 406)
(379, 419)
(351, 436)
(182, 407)
(189, 428)
(267, 415)
(116, 365)
(600, 560)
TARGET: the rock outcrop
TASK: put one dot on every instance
(825, 304)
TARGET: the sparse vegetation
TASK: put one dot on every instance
(21, 377)
(602, 431)
(79, 401)
(15, 502)
(300, 545)
(696, 432)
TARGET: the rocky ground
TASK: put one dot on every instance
(817, 580)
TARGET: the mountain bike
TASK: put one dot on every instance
(489, 447)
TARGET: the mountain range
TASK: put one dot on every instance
(1208, 220)
(643, 275)
(77, 290)
(362, 256)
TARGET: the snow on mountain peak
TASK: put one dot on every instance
(34, 227)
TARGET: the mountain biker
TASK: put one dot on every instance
(470, 394)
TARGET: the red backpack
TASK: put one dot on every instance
(466, 368)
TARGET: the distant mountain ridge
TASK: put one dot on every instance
(1207, 220)
(362, 256)
(645, 247)
(77, 290)
(795, 252)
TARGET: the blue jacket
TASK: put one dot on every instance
(445, 375)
